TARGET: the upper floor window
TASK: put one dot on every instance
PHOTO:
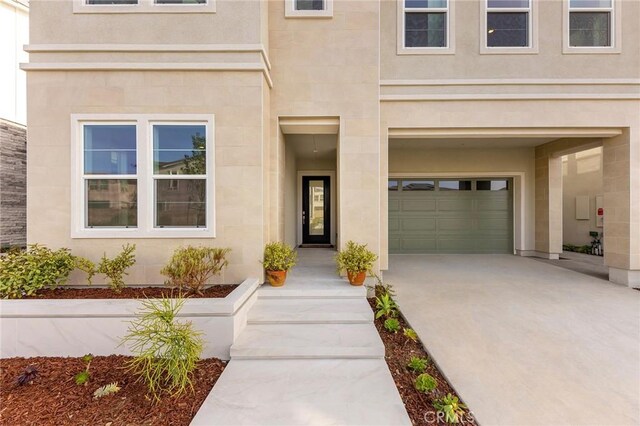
(508, 26)
(425, 26)
(144, 6)
(308, 8)
(592, 26)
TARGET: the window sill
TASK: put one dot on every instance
(509, 50)
(426, 51)
(138, 233)
(568, 50)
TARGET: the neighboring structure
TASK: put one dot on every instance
(415, 126)
(14, 33)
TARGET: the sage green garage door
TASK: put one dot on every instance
(450, 215)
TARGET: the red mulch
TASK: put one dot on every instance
(398, 352)
(215, 291)
(53, 398)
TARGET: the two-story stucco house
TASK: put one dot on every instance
(415, 126)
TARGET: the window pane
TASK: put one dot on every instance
(425, 29)
(112, 1)
(508, 3)
(180, 1)
(112, 203)
(309, 5)
(418, 185)
(110, 149)
(425, 4)
(507, 29)
(590, 3)
(179, 149)
(393, 185)
(492, 185)
(454, 185)
(181, 203)
(589, 29)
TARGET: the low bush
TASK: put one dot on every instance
(115, 269)
(385, 307)
(166, 351)
(410, 334)
(24, 272)
(425, 383)
(355, 258)
(191, 267)
(392, 325)
(451, 407)
(83, 377)
(418, 365)
(279, 257)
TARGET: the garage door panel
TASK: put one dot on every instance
(395, 245)
(462, 224)
(493, 223)
(456, 245)
(462, 205)
(418, 205)
(394, 224)
(419, 245)
(494, 204)
(394, 205)
(418, 224)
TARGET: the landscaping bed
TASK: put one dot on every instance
(398, 351)
(53, 397)
(215, 291)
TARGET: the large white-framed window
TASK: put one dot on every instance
(140, 176)
(426, 27)
(592, 26)
(508, 26)
(308, 8)
(144, 6)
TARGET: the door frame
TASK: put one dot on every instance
(332, 203)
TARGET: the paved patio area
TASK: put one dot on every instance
(524, 342)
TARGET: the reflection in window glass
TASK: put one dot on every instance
(425, 29)
(111, 2)
(180, 1)
(507, 29)
(179, 149)
(425, 4)
(492, 185)
(110, 149)
(111, 203)
(589, 4)
(309, 4)
(454, 185)
(590, 29)
(182, 205)
(393, 185)
(418, 185)
(510, 4)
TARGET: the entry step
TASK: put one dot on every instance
(311, 311)
(334, 289)
(308, 341)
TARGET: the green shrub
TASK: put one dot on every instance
(24, 272)
(279, 257)
(385, 307)
(410, 334)
(83, 377)
(425, 383)
(115, 268)
(417, 365)
(191, 267)
(392, 325)
(87, 266)
(166, 351)
(452, 408)
(355, 258)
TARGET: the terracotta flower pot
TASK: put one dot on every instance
(356, 278)
(276, 278)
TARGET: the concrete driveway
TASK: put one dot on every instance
(524, 342)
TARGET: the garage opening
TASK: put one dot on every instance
(449, 215)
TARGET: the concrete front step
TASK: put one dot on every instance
(327, 289)
(308, 341)
(310, 311)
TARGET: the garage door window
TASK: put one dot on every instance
(454, 185)
(418, 185)
(393, 185)
(492, 185)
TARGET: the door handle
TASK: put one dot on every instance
(304, 217)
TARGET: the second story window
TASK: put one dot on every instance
(508, 23)
(426, 23)
(309, 4)
(590, 23)
(308, 8)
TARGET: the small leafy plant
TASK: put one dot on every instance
(166, 351)
(418, 365)
(385, 307)
(425, 383)
(83, 377)
(115, 269)
(410, 334)
(106, 390)
(355, 258)
(28, 376)
(191, 267)
(392, 325)
(381, 288)
(451, 406)
(24, 272)
(279, 257)
(86, 266)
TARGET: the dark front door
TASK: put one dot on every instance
(316, 210)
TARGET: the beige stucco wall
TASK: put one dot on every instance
(581, 176)
(290, 198)
(235, 99)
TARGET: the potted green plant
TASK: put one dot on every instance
(357, 261)
(278, 259)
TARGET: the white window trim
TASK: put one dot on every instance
(291, 12)
(451, 39)
(144, 146)
(616, 30)
(144, 6)
(531, 49)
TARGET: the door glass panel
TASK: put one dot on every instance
(316, 207)
(492, 185)
(418, 185)
(454, 185)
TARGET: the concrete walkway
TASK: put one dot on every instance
(523, 342)
(310, 355)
